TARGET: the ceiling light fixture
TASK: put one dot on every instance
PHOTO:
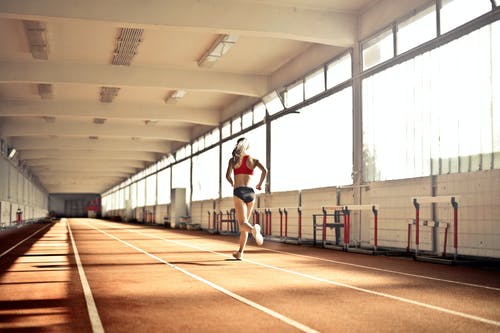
(108, 94)
(37, 38)
(45, 90)
(221, 46)
(12, 152)
(126, 46)
(175, 96)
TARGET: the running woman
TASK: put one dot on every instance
(243, 166)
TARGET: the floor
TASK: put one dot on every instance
(89, 275)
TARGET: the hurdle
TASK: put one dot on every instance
(434, 225)
(345, 211)
(220, 217)
(264, 217)
(453, 200)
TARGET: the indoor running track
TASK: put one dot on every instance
(88, 275)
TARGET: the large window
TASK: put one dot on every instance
(164, 186)
(417, 29)
(313, 148)
(181, 176)
(205, 171)
(442, 108)
(151, 190)
(457, 12)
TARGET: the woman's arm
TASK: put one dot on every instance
(263, 173)
(229, 170)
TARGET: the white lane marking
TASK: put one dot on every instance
(24, 240)
(388, 270)
(242, 299)
(340, 284)
(95, 320)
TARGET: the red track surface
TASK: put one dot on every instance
(143, 279)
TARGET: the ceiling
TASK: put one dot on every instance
(74, 141)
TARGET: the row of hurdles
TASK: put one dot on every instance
(337, 218)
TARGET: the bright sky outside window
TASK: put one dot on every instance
(164, 186)
(247, 119)
(273, 103)
(151, 190)
(226, 129)
(315, 83)
(417, 30)
(205, 186)
(141, 193)
(181, 175)
(324, 145)
(339, 71)
(294, 94)
(259, 112)
(133, 194)
(378, 49)
(457, 12)
(236, 125)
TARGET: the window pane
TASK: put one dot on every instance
(151, 190)
(247, 119)
(339, 71)
(236, 125)
(457, 12)
(133, 195)
(325, 154)
(226, 130)
(446, 126)
(141, 193)
(294, 94)
(205, 175)
(315, 83)
(164, 186)
(259, 112)
(181, 177)
(417, 30)
(273, 103)
(378, 49)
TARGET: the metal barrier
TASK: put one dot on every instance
(220, 217)
(345, 211)
(453, 200)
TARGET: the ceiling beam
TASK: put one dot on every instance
(76, 164)
(28, 155)
(102, 144)
(96, 109)
(133, 76)
(21, 127)
(221, 16)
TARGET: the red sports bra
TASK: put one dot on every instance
(243, 169)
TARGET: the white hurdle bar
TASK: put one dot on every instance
(347, 218)
(453, 200)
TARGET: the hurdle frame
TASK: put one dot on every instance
(453, 200)
(346, 211)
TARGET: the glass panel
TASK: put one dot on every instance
(378, 49)
(315, 83)
(236, 125)
(205, 171)
(226, 130)
(273, 103)
(141, 193)
(294, 94)
(247, 119)
(457, 12)
(151, 190)
(338, 71)
(321, 134)
(417, 30)
(259, 112)
(446, 126)
(181, 176)
(164, 186)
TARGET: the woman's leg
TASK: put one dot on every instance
(241, 210)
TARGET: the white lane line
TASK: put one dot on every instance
(95, 320)
(387, 270)
(340, 284)
(242, 299)
(24, 240)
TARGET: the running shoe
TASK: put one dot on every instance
(237, 255)
(257, 235)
